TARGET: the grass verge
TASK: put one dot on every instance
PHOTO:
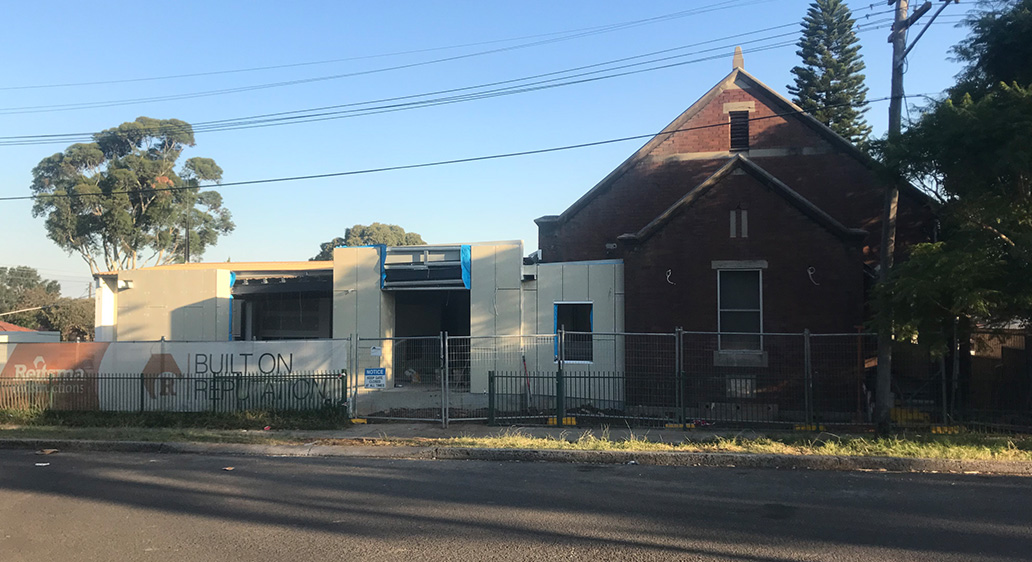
(960, 447)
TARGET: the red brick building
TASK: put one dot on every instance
(745, 214)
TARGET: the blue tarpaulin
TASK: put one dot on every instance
(232, 281)
(465, 257)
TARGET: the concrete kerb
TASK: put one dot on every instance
(683, 459)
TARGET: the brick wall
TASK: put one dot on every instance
(779, 233)
(826, 175)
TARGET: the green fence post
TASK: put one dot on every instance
(808, 374)
(445, 367)
(679, 372)
(344, 389)
(490, 398)
(143, 385)
(560, 383)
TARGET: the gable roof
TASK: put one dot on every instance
(8, 327)
(739, 162)
(781, 104)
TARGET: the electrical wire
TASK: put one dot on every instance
(408, 166)
(193, 95)
(574, 34)
(264, 86)
(201, 126)
(334, 112)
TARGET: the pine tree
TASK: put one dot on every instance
(830, 85)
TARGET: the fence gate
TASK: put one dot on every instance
(399, 378)
(505, 379)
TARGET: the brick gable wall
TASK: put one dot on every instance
(833, 180)
(779, 233)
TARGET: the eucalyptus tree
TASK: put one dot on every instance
(123, 201)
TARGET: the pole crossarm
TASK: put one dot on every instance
(918, 14)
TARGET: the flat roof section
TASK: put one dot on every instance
(239, 267)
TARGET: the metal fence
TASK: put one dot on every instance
(399, 378)
(687, 378)
(569, 377)
(993, 384)
(642, 379)
(173, 392)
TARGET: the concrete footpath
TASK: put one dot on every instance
(373, 441)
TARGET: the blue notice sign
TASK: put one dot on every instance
(376, 378)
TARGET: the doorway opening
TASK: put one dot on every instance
(419, 319)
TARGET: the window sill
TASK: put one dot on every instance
(740, 358)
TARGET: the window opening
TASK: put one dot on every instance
(739, 130)
(576, 320)
(739, 310)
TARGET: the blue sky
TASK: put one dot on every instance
(72, 43)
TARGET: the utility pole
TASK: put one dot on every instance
(883, 397)
(186, 251)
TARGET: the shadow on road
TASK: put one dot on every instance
(727, 513)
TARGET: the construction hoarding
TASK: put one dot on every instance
(173, 376)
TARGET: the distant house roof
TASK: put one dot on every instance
(8, 327)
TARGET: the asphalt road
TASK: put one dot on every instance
(127, 507)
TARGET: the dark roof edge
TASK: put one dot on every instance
(851, 235)
(834, 138)
(645, 149)
(807, 119)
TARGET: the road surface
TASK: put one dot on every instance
(129, 507)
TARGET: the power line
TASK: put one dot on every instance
(308, 117)
(264, 86)
(337, 111)
(260, 121)
(208, 93)
(533, 77)
(199, 126)
(534, 86)
(573, 34)
(411, 166)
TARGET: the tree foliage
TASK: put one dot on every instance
(362, 235)
(973, 152)
(830, 84)
(998, 49)
(74, 318)
(121, 196)
(23, 288)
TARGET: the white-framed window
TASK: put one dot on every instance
(740, 309)
(576, 319)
